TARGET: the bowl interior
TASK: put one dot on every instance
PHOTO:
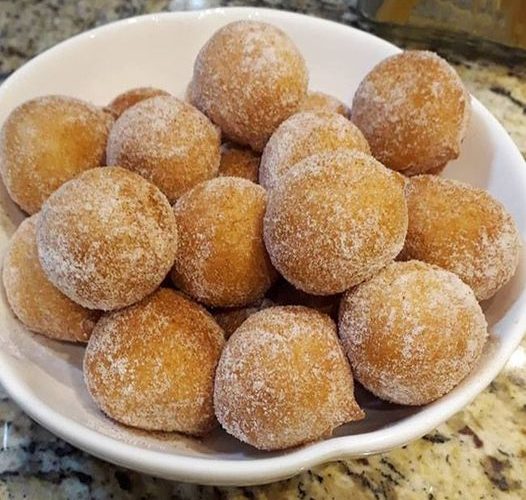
(45, 377)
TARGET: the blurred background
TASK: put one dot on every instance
(490, 27)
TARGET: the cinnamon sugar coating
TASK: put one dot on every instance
(283, 379)
(152, 364)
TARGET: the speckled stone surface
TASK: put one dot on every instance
(480, 453)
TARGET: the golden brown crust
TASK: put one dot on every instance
(303, 135)
(412, 332)
(47, 141)
(247, 79)
(334, 220)
(230, 319)
(238, 161)
(222, 260)
(283, 379)
(464, 230)
(152, 364)
(107, 238)
(319, 101)
(131, 97)
(414, 110)
(168, 142)
(33, 298)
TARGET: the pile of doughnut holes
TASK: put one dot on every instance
(240, 255)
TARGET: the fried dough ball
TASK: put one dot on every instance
(232, 318)
(433, 171)
(303, 135)
(284, 294)
(237, 161)
(47, 141)
(462, 229)
(152, 364)
(248, 78)
(222, 260)
(131, 97)
(34, 300)
(319, 101)
(414, 110)
(412, 332)
(107, 238)
(335, 220)
(283, 380)
(167, 141)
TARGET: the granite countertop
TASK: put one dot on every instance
(479, 453)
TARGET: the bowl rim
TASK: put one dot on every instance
(261, 470)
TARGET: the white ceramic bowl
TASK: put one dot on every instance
(45, 377)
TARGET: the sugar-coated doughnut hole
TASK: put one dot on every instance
(152, 364)
(319, 101)
(38, 304)
(432, 171)
(283, 380)
(167, 141)
(47, 141)
(462, 229)
(412, 332)
(239, 161)
(303, 135)
(335, 220)
(285, 294)
(413, 110)
(282, 293)
(230, 319)
(247, 79)
(107, 238)
(131, 97)
(221, 260)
